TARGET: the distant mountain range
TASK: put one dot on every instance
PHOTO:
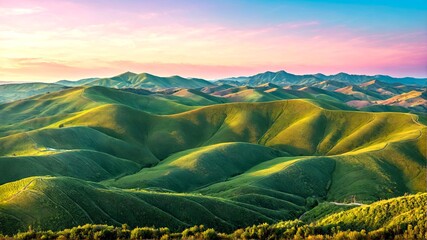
(281, 78)
(142, 80)
(348, 91)
(284, 78)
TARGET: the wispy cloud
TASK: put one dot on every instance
(297, 25)
(50, 42)
(20, 11)
(55, 69)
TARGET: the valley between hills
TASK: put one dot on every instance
(174, 152)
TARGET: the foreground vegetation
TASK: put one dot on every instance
(282, 230)
(397, 218)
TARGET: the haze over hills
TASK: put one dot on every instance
(285, 78)
(143, 80)
(14, 91)
(371, 95)
(229, 156)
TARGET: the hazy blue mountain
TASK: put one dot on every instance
(80, 82)
(284, 78)
(13, 92)
(142, 80)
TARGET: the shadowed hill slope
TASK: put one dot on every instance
(327, 221)
(198, 167)
(65, 202)
(82, 164)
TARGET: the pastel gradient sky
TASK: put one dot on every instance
(49, 40)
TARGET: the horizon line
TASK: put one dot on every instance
(207, 79)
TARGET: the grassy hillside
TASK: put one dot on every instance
(297, 127)
(374, 221)
(384, 108)
(40, 111)
(360, 93)
(151, 104)
(82, 164)
(195, 168)
(281, 183)
(45, 106)
(278, 124)
(195, 98)
(38, 142)
(57, 203)
(215, 88)
(251, 95)
(13, 92)
(382, 214)
(231, 164)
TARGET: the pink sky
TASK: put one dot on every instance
(53, 40)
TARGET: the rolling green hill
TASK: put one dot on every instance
(402, 217)
(40, 111)
(13, 92)
(194, 168)
(82, 164)
(383, 214)
(102, 155)
(62, 202)
(197, 92)
(194, 97)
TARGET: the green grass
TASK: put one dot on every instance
(251, 95)
(298, 127)
(374, 221)
(195, 168)
(323, 210)
(82, 164)
(73, 138)
(79, 99)
(285, 180)
(151, 104)
(13, 92)
(382, 214)
(384, 108)
(192, 97)
(225, 165)
(57, 203)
